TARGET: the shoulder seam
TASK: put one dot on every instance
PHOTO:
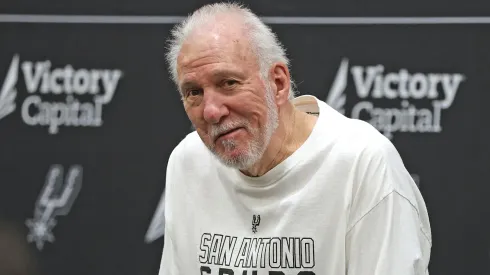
(418, 215)
(380, 201)
(369, 211)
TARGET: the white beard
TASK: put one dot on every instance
(256, 146)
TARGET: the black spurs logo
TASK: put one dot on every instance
(255, 223)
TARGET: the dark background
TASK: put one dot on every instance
(124, 160)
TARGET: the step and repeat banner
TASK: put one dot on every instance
(89, 116)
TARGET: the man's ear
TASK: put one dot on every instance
(279, 75)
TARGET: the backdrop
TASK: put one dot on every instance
(88, 118)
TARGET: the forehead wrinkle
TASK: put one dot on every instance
(222, 40)
(213, 74)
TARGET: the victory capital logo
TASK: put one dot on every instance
(394, 101)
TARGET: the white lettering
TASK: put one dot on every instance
(434, 80)
(405, 119)
(68, 74)
(437, 116)
(110, 79)
(417, 86)
(95, 78)
(41, 78)
(450, 84)
(364, 105)
(56, 88)
(363, 85)
(370, 81)
(81, 81)
(32, 76)
(390, 79)
(402, 86)
(376, 83)
(55, 114)
(28, 119)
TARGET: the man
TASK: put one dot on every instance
(273, 184)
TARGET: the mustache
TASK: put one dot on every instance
(217, 130)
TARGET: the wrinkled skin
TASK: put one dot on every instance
(240, 117)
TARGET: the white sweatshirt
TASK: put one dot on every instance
(343, 203)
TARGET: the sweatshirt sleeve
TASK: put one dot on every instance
(169, 261)
(388, 240)
(168, 265)
(389, 231)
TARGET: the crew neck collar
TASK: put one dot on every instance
(306, 103)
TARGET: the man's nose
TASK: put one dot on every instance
(214, 109)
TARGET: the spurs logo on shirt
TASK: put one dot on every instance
(255, 223)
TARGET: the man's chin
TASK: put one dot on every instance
(235, 159)
(232, 155)
(235, 154)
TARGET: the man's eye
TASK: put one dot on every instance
(195, 92)
(230, 82)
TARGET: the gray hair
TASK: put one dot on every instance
(264, 42)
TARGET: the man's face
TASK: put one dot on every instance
(232, 109)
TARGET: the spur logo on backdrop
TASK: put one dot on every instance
(55, 199)
(58, 96)
(394, 101)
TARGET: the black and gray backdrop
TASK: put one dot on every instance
(88, 118)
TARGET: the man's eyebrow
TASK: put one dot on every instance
(227, 73)
(221, 73)
(187, 84)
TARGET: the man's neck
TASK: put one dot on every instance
(292, 132)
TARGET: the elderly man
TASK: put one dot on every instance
(270, 183)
